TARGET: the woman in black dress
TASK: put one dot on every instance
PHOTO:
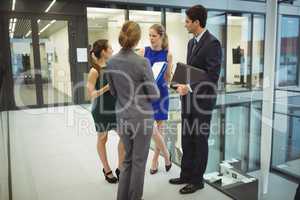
(103, 105)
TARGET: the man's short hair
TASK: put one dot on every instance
(197, 12)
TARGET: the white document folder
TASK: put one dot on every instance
(159, 69)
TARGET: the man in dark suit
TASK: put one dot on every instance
(198, 100)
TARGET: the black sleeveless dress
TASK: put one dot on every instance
(103, 107)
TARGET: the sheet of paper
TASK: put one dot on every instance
(156, 68)
(82, 55)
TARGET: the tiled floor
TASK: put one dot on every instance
(54, 157)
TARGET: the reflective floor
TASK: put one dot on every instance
(25, 94)
(54, 156)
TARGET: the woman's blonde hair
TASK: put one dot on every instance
(130, 34)
(162, 32)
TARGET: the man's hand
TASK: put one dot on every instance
(182, 89)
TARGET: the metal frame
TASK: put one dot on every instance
(297, 83)
(289, 176)
(251, 51)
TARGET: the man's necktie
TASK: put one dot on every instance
(194, 45)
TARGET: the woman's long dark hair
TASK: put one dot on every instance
(96, 51)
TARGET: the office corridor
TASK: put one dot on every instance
(53, 155)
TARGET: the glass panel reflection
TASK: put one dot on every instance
(288, 69)
(238, 52)
(22, 62)
(286, 137)
(255, 136)
(54, 57)
(216, 24)
(236, 134)
(258, 51)
(286, 143)
(4, 182)
(214, 142)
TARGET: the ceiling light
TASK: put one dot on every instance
(13, 5)
(50, 6)
(47, 26)
(29, 32)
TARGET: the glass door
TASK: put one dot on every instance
(22, 62)
(54, 61)
(40, 61)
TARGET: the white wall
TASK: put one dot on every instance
(178, 37)
(110, 29)
(61, 77)
(234, 40)
(238, 35)
(145, 19)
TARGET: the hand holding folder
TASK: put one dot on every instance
(187, 74)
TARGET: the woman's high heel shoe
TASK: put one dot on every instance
(168, 167)
(118, 173)
(109, 179)
(154, 171)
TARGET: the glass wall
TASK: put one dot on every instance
(258, 51)
(214, 142)
(237, 135)
(178, 36)
(255, 136)
(54, 58)
(145, 20)
(286, 137)
(4, 188)
(104, 23)
(22, 62)
(216, 24)
(238, 52)
(288, 69)
(243, 135)
(286, 125)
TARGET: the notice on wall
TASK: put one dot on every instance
(21, 48)
(82, 55)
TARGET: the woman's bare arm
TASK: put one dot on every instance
(92, 78)
(168, 74)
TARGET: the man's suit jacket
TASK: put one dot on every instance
(207, 55)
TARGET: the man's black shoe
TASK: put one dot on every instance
(177, 181)
(190, 188)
